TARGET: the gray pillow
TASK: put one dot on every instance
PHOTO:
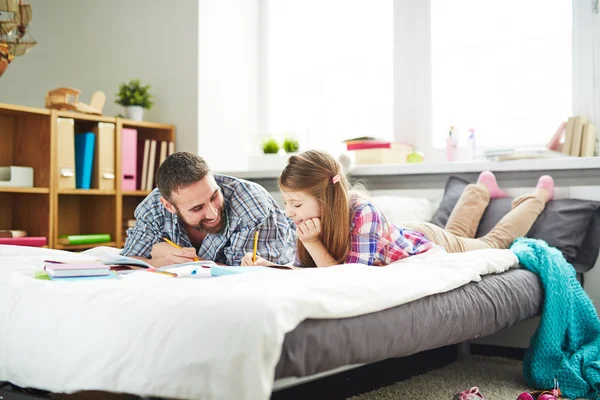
(571, 225)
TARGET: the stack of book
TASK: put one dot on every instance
(580, 137)
(517, 153)
(141, 159)
(76, 269)
(370, 150)
(20, 238)
(576, 138)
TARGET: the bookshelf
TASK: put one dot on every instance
(29, 137)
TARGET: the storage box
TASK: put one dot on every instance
(16, 176)
(396, 154)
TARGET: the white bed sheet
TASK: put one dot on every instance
(212, 338)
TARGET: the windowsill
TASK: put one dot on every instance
(544, 164)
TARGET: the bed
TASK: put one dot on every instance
(242, 336)
(214, 338)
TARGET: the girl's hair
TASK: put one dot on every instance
(313, 172)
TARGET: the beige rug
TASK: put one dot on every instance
(497, 379)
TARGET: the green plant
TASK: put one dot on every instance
(270, 146)
(290, 145)
(133, 93)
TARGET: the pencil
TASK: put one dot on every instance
(255, 246)
(173, 274)
(178, 246)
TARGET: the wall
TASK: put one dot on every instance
(95, 45)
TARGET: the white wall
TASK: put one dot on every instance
(95, 45)
(228, 85)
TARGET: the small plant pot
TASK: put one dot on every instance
(268, 162)
(135, 113)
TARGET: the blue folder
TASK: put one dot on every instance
(84, 159)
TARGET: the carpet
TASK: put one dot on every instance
(497, 379)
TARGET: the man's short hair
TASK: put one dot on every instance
(178, 171)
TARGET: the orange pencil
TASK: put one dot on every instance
(255, 246)
(173, 274)
(178, 246)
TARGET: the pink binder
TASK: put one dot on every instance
(128, 159)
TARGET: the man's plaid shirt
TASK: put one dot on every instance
(248, 207)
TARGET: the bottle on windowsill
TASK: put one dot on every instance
(451, 145)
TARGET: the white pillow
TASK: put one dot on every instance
(401, 209)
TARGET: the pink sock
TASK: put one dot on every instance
(547, 183)
(488, 179)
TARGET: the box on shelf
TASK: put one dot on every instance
(396, 154)
(268, 162)
(16, 176)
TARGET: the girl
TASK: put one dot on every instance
(337, 225)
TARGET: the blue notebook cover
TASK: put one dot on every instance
(219, 270)
(84, 159)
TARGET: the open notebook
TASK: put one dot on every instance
(118, 262)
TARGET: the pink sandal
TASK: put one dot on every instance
(469, 394)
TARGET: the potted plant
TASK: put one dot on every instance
(270, 146)
(290, 145)
(134, 98)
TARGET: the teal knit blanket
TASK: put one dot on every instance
(566, 345)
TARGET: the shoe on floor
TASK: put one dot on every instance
(469, 394)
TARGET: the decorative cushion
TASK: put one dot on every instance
(400, 209)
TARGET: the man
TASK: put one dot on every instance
(210, 216)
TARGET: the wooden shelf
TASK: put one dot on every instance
(11, 110)
(82, 246)
(137, 193)
(87, 192)
(38, 190)
(86, 117)
(128, 123)
(34, 137)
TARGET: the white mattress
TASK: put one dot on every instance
(208, 338)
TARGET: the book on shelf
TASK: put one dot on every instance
(33, 241)
(84, 239)
(150, 155)
(521, 153)
(580, 137)
(84, 159)
(12, 233)
(129, 154)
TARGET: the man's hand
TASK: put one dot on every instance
(247, 260)
(309, 231)
(165, 254)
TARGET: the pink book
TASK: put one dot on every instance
(34, 241)
(368, 144)
(128, 159)
(68, 267)
(554, 143)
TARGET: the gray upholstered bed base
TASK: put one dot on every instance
(474, 310)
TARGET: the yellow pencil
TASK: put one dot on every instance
(178, 246)
(255, 246)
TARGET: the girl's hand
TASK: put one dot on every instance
(309, 231)
(247, 261)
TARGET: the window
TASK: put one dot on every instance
(501, 68)
(328, 69)
(408, 70)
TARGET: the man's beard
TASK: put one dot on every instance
(201, 227)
